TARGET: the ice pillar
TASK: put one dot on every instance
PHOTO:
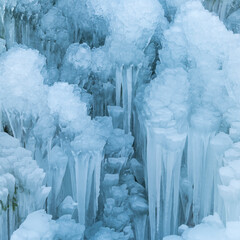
(203, 127)
(164, 154)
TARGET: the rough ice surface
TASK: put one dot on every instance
(39, 225)
(119, 120)
(22, 184)
(211, 228)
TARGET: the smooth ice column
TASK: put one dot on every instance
(164, 154)
(129, 84)
(84, 167)
(119, 80)
(172, 144)
(10, 32)
(151, 167)
(88, 150)
(57, 166)
(98, 155)
(129, 90)
(87, 169)
(126, 78)
(140, 225)
(212, 202)
(125, 99)
(203, 127)
(197, 150)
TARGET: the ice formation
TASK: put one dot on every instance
(22, 185)
(39, 225)
(119, 119)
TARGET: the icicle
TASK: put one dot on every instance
(164, 154)
(200, 134)
(125, 99)
(211, 180)
(129, 93)
(140, 226)
(82, 166)
(57, 164)
(151, 166)
(126, 78)
(99, 159)
(10, 31)
(197, 149)
(87, 168)
(159, 155)
(169, 161)
(119, 80)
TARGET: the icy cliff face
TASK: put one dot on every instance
(119, 119)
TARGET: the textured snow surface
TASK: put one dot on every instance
(39, 225)
(15, 82)
(211, 228)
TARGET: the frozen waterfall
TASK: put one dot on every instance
(119, 120)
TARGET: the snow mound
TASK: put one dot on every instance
(63, 103)
(21, 78)
(40, 226)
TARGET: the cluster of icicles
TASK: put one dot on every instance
(174, 196)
